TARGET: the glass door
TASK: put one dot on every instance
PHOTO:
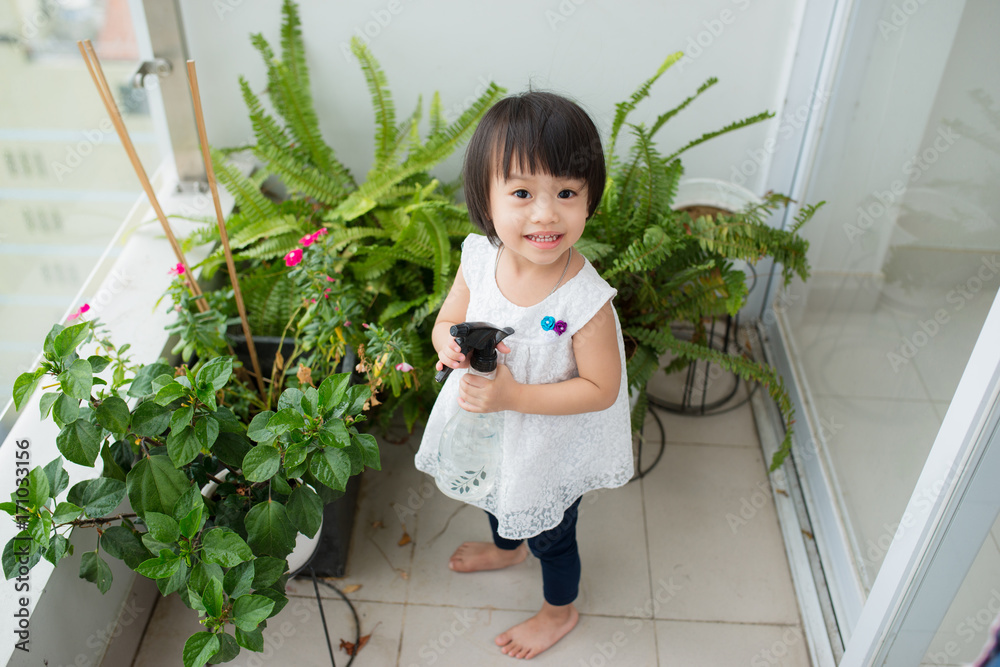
(906, 264)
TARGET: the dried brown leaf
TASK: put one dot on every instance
(405, 539)
(353, 588)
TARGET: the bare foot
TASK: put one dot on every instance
(539, 632)
(478, 556)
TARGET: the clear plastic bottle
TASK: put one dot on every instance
(470, 453)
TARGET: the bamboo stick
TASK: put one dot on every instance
(213, 186)
(101, 83)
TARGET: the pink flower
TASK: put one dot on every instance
(294, 257)
(347, 323)
(329, 279)
(80, 311)
(404, 367)
(177, 270)
(309, 239)
(312, 300)
(364, 325)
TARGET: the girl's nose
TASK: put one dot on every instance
(544, 211)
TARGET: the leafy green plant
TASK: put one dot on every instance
(396, 236)
(163, 434)
(668, 267)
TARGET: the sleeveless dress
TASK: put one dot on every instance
(548, 460)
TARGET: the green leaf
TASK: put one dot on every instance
(65, 512)
(162, 527)
(334, 434)
(239, 579)
(170, 393)
(40, 528)
(142, 384)
(224, 548)
(189, 500)
(111, 467)
(285, 420)
(228, 649)
(250, 610)
(267, 570)
(199, 648)
(181, 417)
(215, 373)
(175, 582)
(332, 467)
(58, 549)
(46, 402)
(49, 347)
(77, 380)
(295, 456)
(97, 496)
(65, 410)
(212, 597)
(258, 431)
(230, 448)
(206, 430)
(98, 363)
(305, 509)
(24, 387)
(162, 567)
(290, 398)
(113, 415)
(70, 338)
(310, 402)
(80, 442)
(253, 640)
(122, 543)
(150, 419)
(15, 550)
(58, 478)
(154, 485)
(183, 446)
(95, 569)
(191, 523)
(268, 529)
(369, 447)
(356, 397)
(332, 390)
(38, 488)
(261, 462)
(201, 574)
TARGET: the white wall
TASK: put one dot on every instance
(596, 51)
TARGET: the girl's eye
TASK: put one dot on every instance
(521, 194)
(566, 194)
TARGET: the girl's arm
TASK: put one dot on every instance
(456, 304)
(595, 347)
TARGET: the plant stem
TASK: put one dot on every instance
(97, 522)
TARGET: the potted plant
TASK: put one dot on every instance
(670, 267)
(393, 241)
(163, 433)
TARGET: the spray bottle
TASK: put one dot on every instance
(469, 453)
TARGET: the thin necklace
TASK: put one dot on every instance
(558, 282)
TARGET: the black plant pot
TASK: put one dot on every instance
(330, 559)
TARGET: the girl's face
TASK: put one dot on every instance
(538, 216)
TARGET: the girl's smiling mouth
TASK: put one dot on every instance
(544, 240)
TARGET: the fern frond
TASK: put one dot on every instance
(436, 114)
(623, 109)
(385, 109)
(269, 227)
(664, 117)
(253, 204)
(304, 178)
(593, 250)
(728, 128)
(293, 52)
(642, 255)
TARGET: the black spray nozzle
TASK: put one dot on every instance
(480, 339)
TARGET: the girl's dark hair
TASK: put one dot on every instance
(543, 132)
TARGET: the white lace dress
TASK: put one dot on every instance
(548, 461)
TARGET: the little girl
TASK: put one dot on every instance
(534, 173)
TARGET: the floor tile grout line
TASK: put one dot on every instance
(711, 444)
(649, 560)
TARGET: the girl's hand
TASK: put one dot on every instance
(477, 394)
(451, 356)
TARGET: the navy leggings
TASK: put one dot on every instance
(556, 549)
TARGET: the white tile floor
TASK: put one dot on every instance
(668, 577)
